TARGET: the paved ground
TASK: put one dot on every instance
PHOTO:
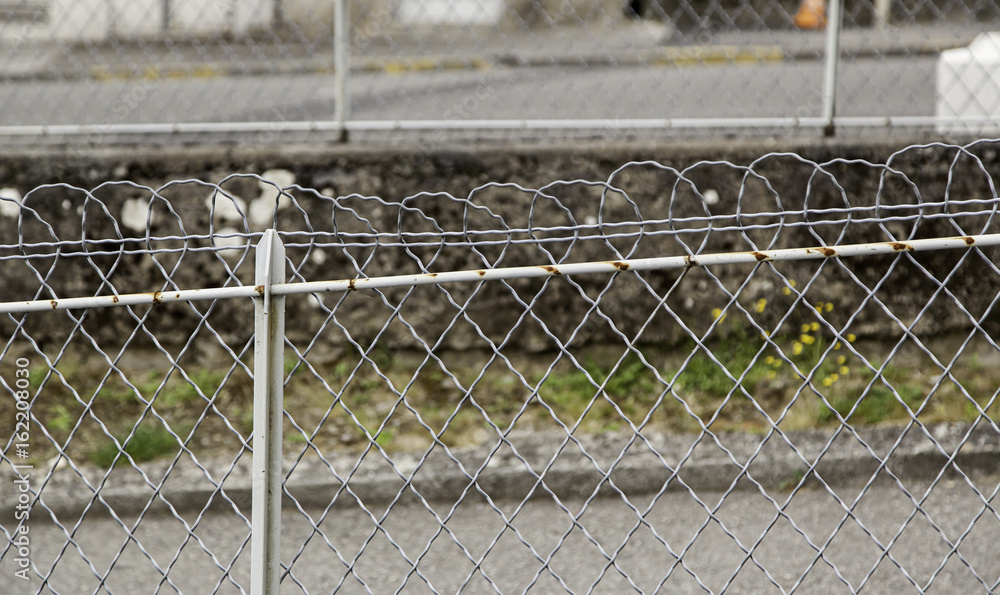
(827, 536)
(875, 538)
(616, 73)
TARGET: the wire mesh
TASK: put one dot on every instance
(774, 426)
(106, 68)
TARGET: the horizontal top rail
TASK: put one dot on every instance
(524, 272)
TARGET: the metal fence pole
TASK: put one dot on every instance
(830, 66)
(882, 12)
(269, 342)
(341, 65)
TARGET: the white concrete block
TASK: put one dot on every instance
(252, 15)
(198, 18)
(78, 20)
(10, 208)
(201, 18)
(227, 209)
(452, 12)
(136, 19)
(968, 86)
(134, 214)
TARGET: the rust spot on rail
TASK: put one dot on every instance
(482, 273)
(690, 260)
(901, 247)
(969, 241)
(259, 289)
(552, 270)
(157, 296)
(761, 257)
(352, 284)
(827, 252)
(114, 299)
(55, 304)
(621, 266)
(433, 275)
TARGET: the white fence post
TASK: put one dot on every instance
(341, 65)
(830, 66)
(269, 343)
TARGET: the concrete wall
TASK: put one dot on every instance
(203, 18)
(397, 174)
(136, 19)
(313, 19)
(95, 20)
(543, 13)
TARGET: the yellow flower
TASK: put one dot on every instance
(834, 377)
(814, 327)
(851, 337)
(769, 360)
(791, 282)
(761, 304)
(819, 306)
(841, 360)
(786, 291)
(807, 339)
(777, 363)
(805, 328)
(836, 345)
(828, 307)
(827, 381)
(716, 312)
(771, 375)
(844, 370)
(797, 348)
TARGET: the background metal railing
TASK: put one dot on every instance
(106, 68)
(767, 386)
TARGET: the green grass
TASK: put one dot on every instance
(736, 354)
(179, 392)
(62, 420)
(798, 374)
(149, 441)
(631, 387)
(384, 438)
(877, 405)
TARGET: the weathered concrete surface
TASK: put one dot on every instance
(511, 471)
(400, 175)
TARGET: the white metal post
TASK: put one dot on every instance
(830, 67)
(167, 11)
(341, 64)
(883, 12)
(269, 343)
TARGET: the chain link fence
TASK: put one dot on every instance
(106, 68)
(705, 379)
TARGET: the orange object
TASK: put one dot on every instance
(811, 14)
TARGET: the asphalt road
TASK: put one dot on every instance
(812, 546)
(869, 86)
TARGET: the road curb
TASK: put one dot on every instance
(669, 56)
(509, 479)
(680, 56)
